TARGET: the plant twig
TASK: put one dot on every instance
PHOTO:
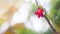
(36, 2)
(50, 25)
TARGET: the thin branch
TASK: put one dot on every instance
(36, 2)
(50, 25)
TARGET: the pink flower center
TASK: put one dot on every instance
(39, 12)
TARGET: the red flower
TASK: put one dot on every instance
(39, 12)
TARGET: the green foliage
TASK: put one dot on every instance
(55, 12)
(34, 7)
(56, 4)
(25, 31)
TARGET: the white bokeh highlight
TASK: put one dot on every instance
(22, 16)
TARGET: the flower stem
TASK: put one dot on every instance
(50, 25)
